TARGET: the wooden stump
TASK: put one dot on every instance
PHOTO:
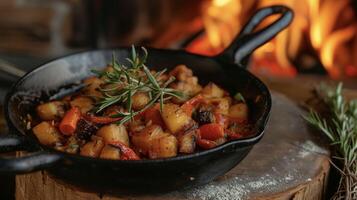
(290, 162)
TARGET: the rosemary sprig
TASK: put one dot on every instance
(340, 126)
(125, 81)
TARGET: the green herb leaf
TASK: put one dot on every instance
(239, 97)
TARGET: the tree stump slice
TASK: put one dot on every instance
(290, 162)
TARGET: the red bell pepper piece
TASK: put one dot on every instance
(127, 152)
(69, 122)
(101, 120)
(153, 114)
(206, 144)
(212, 131)
(189, 105)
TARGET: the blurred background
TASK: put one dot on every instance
(321, 40)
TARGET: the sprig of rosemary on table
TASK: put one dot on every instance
(340, 126)
(129, 80)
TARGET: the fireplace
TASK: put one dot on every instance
(320, 40)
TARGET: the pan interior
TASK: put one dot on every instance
(65, 73)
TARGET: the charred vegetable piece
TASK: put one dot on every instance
(51, 111)
(92, 148)
(110, 152)
(85, 104)
(114, 133)
(175, 118)
(211, 90)
(46, 133)
(202, 116)
(187, 142)
(69, 122)
(126, 152)
(85, 129)
(211, 131)
(163, 147)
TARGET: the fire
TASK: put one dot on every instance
(322, 32)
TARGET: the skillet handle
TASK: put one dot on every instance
(29, 163)
(247, 40)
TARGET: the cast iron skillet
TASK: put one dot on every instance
(225, 69)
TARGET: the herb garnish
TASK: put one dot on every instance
(339, 124)
(125, 81)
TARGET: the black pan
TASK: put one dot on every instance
(225, 69)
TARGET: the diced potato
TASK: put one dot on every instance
(175, 118)
(51, 110)
(46, 133)
(181, 72)
(186, 82)
(110, 152)
(140, 100)
(221, 105)
(239, 111)
(142, 140)
(136, 125)
(114, 133)
(93, 85)
(85, 104)
(187, 142)
(92, 148)
(163, 147)
(211, 90)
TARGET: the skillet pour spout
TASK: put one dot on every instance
(153, 175)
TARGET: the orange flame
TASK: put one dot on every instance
(322, 28)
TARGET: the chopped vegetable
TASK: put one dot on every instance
(85, 104)
(211, 90)
(163, 147)
(114, 133)
(69, 122)
(92, 148)
(85, 129)
(46, 133)
(126, 152)
(189, 105)
(212, 131)
(187, 142)
(206, 144)
(175, 118)
(110, 152)
(50, 111)
(239, 112)
(153, 114)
